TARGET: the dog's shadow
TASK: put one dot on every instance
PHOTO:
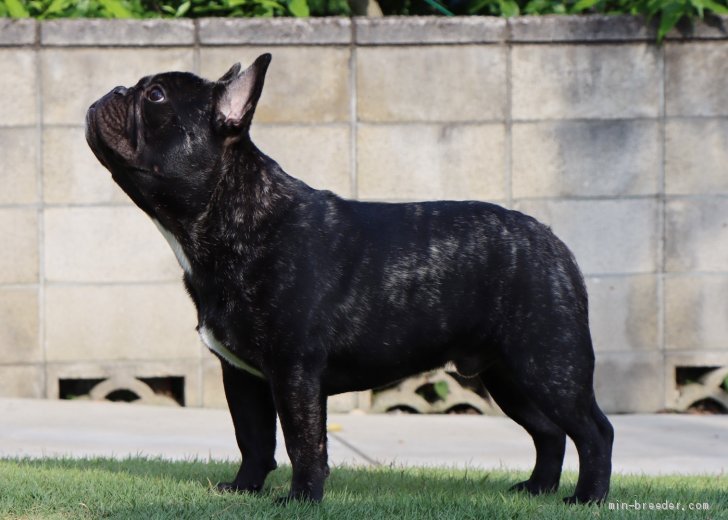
(352, 480)
(187, 489)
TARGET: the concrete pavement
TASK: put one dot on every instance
(650, 444)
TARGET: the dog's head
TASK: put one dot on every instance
(166, 139)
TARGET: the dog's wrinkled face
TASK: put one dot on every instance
(164, 138)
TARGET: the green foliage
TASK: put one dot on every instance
(442, 389)
(669, 13)
(329, 7)
(48, 9)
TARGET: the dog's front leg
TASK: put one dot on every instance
(301, 406)
(254, 418)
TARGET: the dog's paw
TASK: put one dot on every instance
(232, 487)
(574, 500)
(297, 497)
(534, 489)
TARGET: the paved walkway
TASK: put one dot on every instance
(651, 444)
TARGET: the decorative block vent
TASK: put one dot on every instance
(164, 391)
(439, 391)
(703, 389)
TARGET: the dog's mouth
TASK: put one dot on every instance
(111, 129)
(114, 135)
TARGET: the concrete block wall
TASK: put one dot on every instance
(620, 145)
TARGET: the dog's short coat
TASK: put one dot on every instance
(303, 294)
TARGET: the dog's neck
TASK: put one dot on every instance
(253, 191)
(247, 203)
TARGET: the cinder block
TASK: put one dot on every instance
(21, 381)
(188, 369)
(19, 326)
(415, 162)
(696, 156)
(712, 28)
(19, 251)
(694, 358)
(606, 236)
(318, 155)
(350, 401)
(75, 78)
(275, 31)
(580, 28)
(595, 158)
(213, 391)
(71, 173)
(17, 31)
(629, 382)
(696, 312)
(697, 235)
(585, 81)
(18, 166)
(106, 244)
(19, 87)
(303, 84)
(91, 32)
(432, 83)
(419, 30)
(695, 79)
(623, 313)
(120, 322)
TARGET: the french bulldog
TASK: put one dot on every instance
(303, 294)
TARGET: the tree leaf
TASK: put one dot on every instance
(442, 389)
(508, 8)
(668, 19)
(478, 5)
(183, 8)
(16, 9)
(583, 5)
(698, 5)
(298, 8)
(116, 9)
(715, 7)
(56, 7)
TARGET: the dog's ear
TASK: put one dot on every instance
(231, 74)
(237, 95)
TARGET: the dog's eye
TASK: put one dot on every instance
(155, 95)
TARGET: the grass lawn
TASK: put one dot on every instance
(151, 489)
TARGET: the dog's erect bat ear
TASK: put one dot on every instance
(238, 93)
(231, 74)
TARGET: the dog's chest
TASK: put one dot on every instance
(215, 345)
(207, 335)
(184, 262)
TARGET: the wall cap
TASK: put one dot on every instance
(391, 30)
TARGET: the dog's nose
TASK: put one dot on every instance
(119, 91)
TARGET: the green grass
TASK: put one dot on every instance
(152, 489)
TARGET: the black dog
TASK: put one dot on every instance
(303, 294)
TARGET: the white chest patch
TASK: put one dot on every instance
(211, 342)
(184, 262)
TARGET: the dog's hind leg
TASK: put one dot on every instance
(254, 417)
(549, 439)
(556, 373)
